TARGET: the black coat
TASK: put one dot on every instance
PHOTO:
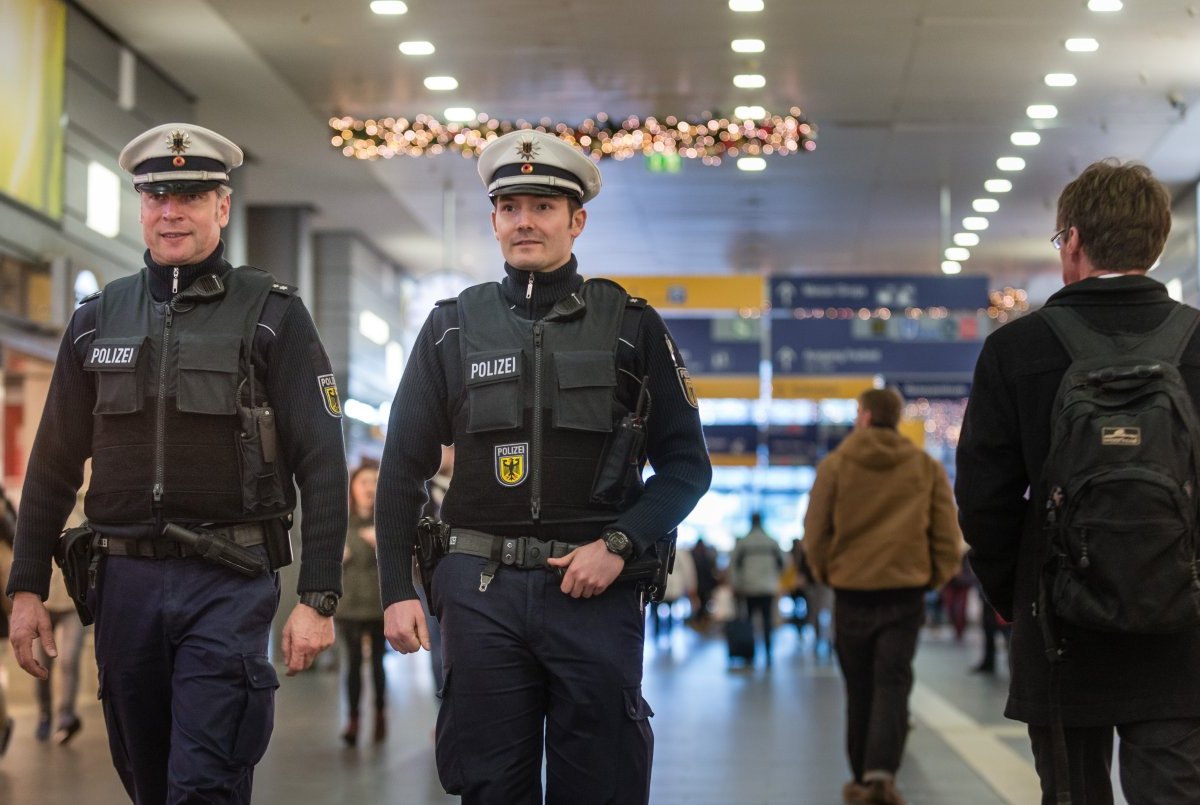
(1109, 679)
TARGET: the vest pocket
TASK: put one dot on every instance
(208, 372)
(118, 381)
(494, 399)
(584, 393)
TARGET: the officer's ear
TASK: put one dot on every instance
(578, 220)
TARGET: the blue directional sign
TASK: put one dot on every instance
(731, 439)
(832, 347)
(895, 293)
(803, 445)
(718, 346)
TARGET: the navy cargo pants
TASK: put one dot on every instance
(523, 661)
(187, 690)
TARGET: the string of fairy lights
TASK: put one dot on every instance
(710, 139)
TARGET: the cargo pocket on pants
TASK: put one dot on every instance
(258, 716)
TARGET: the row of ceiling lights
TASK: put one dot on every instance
(1038, 113)
(436, 83)
(749, 80)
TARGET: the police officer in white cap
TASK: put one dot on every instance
(555, 391)
(200, 392)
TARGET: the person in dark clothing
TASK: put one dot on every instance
(360, 615)
(203, 395)
(1112, 223)
(536, 380)
(707, 579)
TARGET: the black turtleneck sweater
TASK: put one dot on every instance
(288, 346)
(423, 413)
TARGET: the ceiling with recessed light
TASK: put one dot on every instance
(914, 100)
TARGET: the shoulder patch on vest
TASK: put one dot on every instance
(329, 395)
(635, 301)
(281, 288)
(449, 301)
(91, 296)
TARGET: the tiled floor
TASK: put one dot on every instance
(723, 737)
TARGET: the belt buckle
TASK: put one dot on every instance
(538, 551)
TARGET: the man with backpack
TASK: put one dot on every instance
(1077, 471)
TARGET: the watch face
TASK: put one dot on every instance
(617, 542)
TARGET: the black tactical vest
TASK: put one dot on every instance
(539, 406)
(173, 389)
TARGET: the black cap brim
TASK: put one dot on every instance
(533, 190)
(164, 188)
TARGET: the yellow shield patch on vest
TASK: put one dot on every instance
(512, 463)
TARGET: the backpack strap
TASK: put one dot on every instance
(1167, 341)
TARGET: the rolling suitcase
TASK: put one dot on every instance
(739, 634)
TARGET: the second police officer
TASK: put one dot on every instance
(199, 391)
(534, 380)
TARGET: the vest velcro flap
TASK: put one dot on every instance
(494, 390)
(585, 380)
(208, 372)
(118, 381)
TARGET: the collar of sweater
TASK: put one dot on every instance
(548, 287)
(161, 276)
(1130, 289)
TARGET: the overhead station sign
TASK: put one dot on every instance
(732, 445)
(895, 293)
(696, 293)
(722, 354)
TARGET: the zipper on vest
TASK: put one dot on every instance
(160, 422)
(535, 467)
(175, 280)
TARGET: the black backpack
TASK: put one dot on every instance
(1121, 480)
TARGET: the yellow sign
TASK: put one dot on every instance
(914, 429)
(820, 387)
(733, 459)
(697, 293)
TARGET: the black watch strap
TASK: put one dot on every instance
(324, 602)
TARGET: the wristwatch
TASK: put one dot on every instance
(618, 542)
(325, 603)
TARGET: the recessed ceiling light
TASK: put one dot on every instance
(752, 164)
(1042, 111)
(974, 224)
(1060, 79)
(750, 112)
(459, 114)
(748, 46)
(1082, 44)
(985, 205)
(966, 239)
(951, 267)
(958, 253)
(389, 7)
(1010, 164)
(1025, 138)
(749, 81)
(416, 48)
(441, 83)
(1105, 5)
(745, 5)
(997, 185)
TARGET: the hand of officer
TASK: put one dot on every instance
(590, 569)
(404, 626)
(305, 635)
(30, 621)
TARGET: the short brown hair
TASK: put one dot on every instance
(883, 405)
(1122, 213)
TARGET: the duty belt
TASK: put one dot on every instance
(526, 553)
(246, 535)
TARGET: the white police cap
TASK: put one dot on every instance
(535, 163)
(179, 158)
